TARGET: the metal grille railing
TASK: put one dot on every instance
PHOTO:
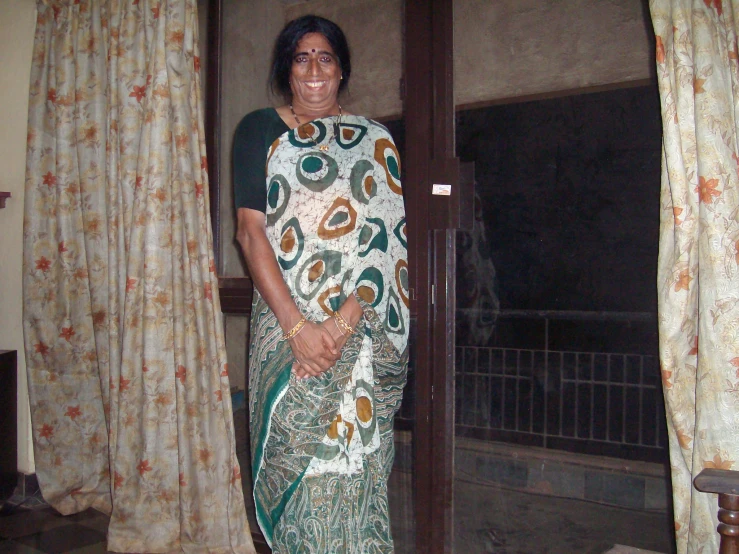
(579, 400)
(592, 402)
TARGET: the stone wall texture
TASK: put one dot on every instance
(513, 48)
(503, 49)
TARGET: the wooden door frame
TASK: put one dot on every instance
(431, 220)
(430, 158)
(214, 40)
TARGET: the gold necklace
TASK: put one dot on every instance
(323, 147)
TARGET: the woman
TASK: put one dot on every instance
(322, 226)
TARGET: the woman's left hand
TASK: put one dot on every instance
(351, 312)
(332, 329)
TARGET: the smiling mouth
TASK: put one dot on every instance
(314, 85)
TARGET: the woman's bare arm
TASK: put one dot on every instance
(314, 348)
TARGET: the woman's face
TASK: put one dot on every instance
(315, 73)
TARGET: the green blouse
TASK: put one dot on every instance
(254, 135)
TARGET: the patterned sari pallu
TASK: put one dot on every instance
(323, 447)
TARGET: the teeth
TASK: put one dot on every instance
(314, 85)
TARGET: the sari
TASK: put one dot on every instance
(322, 448)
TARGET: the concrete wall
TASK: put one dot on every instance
(513, 48)
(17, 24)
(503, 49)
(249, 30)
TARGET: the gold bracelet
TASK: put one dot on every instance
(343, 324)
(336, 321)
(295, 330)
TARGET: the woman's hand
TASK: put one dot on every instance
(332, 328)
(334, 341)
(313, 347)
(351, 311)
(315, 350)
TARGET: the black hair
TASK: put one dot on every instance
(287, 43)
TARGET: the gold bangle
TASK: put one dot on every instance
(336, 321)
(295, 330)
(343, 324)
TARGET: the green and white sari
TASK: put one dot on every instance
(322, 448)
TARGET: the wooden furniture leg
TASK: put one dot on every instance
(725, 483)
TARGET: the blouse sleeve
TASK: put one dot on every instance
(249, 161)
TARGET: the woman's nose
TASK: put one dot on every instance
(314, 67)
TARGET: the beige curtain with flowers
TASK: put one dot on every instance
(130, 398)
(698, 275)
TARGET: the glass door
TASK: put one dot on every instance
(545, 289)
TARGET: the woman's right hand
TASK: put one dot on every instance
(314, 349)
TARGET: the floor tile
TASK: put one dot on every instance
(497, 519)
(28, 522)
(63, 539)
(99, 548)
(505, 472)
(95, 520)
(620, 490)
(12, 547)
(621, 549)
(79, 517)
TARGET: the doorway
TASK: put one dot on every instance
(445, 434)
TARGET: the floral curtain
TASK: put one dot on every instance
(698, 272)
(128, 379)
